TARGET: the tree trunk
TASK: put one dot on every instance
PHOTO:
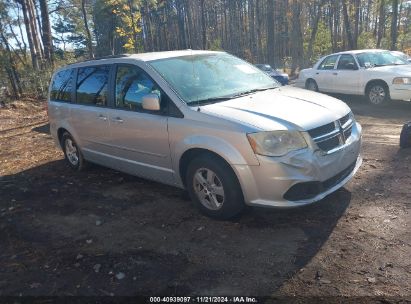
(314, 33)
(11, 67)
(203, 25)
(33, 50)
(297, 52)
(270, 33)
(381, 23)
(394, 29)
(88, 33)
(36, 36)
(356, 22)
(46, 37)
(347, 25)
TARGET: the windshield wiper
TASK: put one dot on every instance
(212, 100)
(252, 92)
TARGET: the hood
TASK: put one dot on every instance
(286, 108)
(404, 70)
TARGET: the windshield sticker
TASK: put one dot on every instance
(246, 69)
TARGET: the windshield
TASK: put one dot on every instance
(371, 59)
(206, 77)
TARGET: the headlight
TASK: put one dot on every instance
(276, 143)
(402, 80)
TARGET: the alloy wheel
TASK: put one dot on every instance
(208, 188)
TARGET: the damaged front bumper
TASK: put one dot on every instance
(302, 177)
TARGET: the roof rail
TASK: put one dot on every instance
(104, 57)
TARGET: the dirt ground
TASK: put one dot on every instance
(101, 232)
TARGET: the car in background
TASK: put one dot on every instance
(402, 55)
(273, 73)
(377, 74)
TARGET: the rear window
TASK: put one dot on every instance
(92, 85)
(62, 86)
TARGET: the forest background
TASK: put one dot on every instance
(38, 36)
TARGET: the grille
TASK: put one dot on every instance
(322, 130)
(333, 135)
(345, 119)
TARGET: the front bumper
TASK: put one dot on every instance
(279, 182)
(400, 92)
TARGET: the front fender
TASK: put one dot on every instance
(232, 155)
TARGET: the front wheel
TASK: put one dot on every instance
(377, 94)
(214, 187)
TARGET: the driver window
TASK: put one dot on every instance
(328, 63)
(347, 62)
(132, 84)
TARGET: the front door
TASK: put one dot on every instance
(139, 138)
(348, 75)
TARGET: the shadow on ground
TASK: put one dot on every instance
(44, 129)
(67, 233)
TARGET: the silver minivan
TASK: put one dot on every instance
(208, 122)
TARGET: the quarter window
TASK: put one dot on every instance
(62, 86)
(92, 85)
(328, 63)
(132, 84)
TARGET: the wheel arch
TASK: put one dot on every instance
(374, 81)
(308, 80)
(193, 153)
(62, 129)
(60, 133)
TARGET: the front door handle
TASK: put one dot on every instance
(335, 73)
(317, 73)
(102, 117)
(117, 119)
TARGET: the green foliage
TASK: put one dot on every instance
(322, 44)
(215, 45)
(118, 25)
(366, 40)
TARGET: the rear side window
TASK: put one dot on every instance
(92, 85)
(62, 86)
(328, 63)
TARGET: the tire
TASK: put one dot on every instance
(311, 85)
(214, 188)
(72, 153)
(377, 94)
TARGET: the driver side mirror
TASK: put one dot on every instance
(151, 102)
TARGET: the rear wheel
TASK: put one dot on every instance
(311, 85)
(72, 152)
(377, 94)
(214, 188)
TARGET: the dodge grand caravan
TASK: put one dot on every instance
(208, 122)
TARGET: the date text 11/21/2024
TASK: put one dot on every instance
(205, 299)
